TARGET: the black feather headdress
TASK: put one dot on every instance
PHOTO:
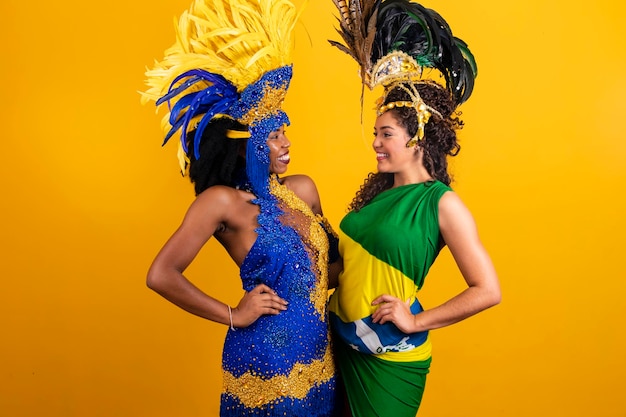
(394, 40)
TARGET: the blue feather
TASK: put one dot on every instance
(214, 99)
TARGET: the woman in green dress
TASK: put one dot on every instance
(403, 215)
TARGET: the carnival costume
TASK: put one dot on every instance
(389, 244)
(232, 59)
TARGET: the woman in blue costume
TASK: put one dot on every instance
(406, 212)
(276, 358)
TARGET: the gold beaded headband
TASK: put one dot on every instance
(423, 110)
(393, 67)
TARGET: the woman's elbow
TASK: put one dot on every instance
(494, 297)
(155, 280)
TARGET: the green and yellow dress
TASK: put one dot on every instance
(387, 248)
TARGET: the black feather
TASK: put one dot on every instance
(424, 35)
(372, 29)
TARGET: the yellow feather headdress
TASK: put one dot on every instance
(231, 58)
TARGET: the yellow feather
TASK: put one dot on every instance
(239, 39)
(267, 51)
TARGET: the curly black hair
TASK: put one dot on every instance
(221, 158)
(439, 142)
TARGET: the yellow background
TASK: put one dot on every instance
(89, 196)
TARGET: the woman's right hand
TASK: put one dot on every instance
(261, 300)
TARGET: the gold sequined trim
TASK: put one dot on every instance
(328, 228)
(316, 239)
(270, 103)
(254, 391)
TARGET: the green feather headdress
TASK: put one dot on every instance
(394, 40)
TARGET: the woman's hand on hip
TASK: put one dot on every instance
(393, 310)
(261, 300)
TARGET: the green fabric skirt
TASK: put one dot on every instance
(378, 388)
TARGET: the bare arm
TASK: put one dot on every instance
(483, 289)
(165, 275)
(304, 187)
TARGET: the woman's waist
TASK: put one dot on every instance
(273, 354)
(374, 338)
(353, 301)
(287, 324)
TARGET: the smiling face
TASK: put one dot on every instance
(279, 151)
(390, 139)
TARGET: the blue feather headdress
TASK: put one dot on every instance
(231, 59)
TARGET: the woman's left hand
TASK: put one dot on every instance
(394, 310)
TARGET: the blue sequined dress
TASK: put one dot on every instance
(282, 365)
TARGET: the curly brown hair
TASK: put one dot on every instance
(439, 140)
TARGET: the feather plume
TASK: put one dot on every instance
(380, 28)
(238, 39)
(357, 27)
